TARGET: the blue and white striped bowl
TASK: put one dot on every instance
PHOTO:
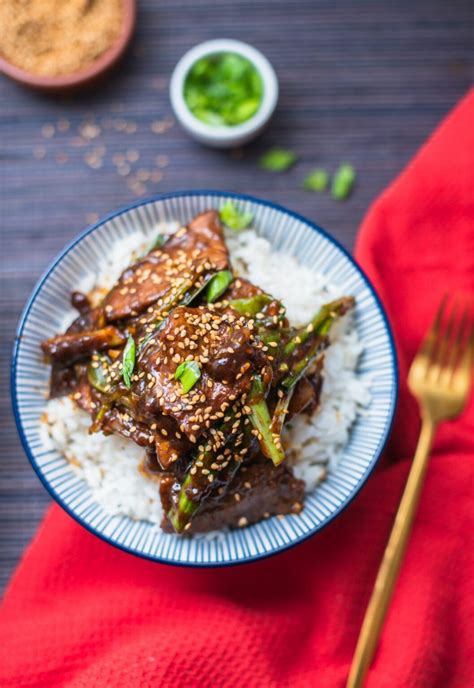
(289, 232)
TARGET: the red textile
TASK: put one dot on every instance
(80, 613)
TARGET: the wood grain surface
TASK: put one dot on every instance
(362, 81)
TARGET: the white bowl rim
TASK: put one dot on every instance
(30, 453)
(224, 133)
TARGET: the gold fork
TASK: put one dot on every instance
(439, 378)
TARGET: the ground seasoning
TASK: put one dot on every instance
(53, 37)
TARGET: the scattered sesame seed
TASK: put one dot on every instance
(63, 125)
(39, 152)
(47, 131)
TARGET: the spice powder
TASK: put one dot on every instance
(53, 37)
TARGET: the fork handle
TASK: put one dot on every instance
(392, 558)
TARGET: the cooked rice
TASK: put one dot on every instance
(110, 464)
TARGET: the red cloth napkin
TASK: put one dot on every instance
(80, 613)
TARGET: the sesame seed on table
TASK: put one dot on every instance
(364, 83)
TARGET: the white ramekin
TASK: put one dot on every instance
(222, 136)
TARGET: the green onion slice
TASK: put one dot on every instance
(218, 285)
(128, 361)
(158, 242)
(97, 374)
(188, 373)
(223, 89)
(343, 182)
(317, 180)
(233, 218)
(251, 306)
(277, 160)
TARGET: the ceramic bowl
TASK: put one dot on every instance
(83, 77)
(223, 136)
(44, 316)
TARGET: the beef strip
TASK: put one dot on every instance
(85, 395)
(241, 288)
(119, 420)
(168, 271)
(92, 319)
(80, 302)
(63, 377)
(307, 392)
(67, 348)
(221, 344)
(257, 491)
(62, 381)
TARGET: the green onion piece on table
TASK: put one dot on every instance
(343, 182)
(233, 218)
(218, 285)
(317, 180)
(188, 373)
(277, 160)
(128, 362)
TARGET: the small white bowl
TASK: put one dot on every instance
(222, 136)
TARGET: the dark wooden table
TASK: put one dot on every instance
(360, 81)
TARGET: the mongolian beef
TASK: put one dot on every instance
(202, 369)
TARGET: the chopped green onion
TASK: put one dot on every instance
(270, 442)
(277, 160)
(218, 285)
(343, 182)
(234, 219)
(128, 361)
(159, 241)
(97, 373)
(223, 89)
(317, 180)
(252, 305)
(188, 373)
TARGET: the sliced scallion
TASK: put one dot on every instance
(343, 182)
(233, 218)
(251, 306)
(158, 242)
(218, 285)
(317, 180)
(223, 89)
(97, 373)
(128, 361)
(188, 373)
(277, 160)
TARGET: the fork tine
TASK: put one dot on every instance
(467, 354)
(461, 348)
(428, 346)
(445, 345)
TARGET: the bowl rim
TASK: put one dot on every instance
(224, 133)
(242, 197)
(82, 76)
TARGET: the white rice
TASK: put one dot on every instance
(109, 464)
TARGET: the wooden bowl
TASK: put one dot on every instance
(64, 82)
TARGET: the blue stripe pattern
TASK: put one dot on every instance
(288, 232)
